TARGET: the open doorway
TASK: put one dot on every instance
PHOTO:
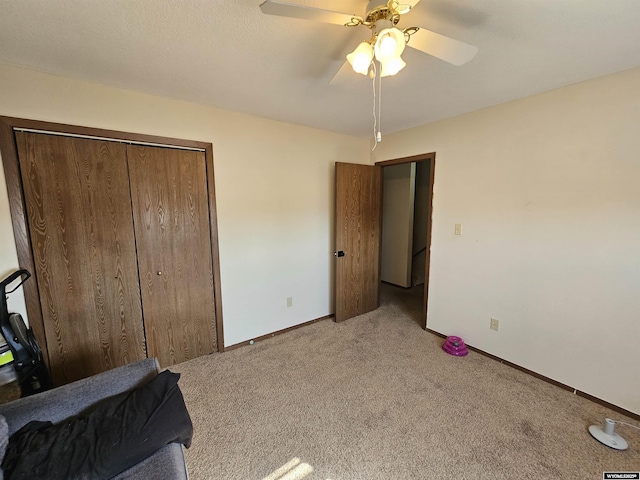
(406, 233)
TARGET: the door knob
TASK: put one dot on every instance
(339, 253)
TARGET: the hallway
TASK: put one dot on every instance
(407, 300)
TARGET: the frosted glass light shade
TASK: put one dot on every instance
(392, 66)
(361, 57)
(390, 44)
(387, 46)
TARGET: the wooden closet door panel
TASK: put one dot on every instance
(80, 221)
(171, 218)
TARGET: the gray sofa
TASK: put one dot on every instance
(71, 399)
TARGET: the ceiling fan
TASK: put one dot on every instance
(387, 41)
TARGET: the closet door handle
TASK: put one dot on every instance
(159, 273)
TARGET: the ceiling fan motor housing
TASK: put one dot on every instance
(375, 4)
(378, 10)
(380, 25)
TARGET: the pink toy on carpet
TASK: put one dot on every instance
(455, 346)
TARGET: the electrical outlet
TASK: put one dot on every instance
(494, 324)
(289, 302)
(458, 229)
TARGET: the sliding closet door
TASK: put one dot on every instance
(171, 218)
(80, 221)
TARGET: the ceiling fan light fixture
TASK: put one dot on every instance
(361, 57)
(389, 44)
(392, 66)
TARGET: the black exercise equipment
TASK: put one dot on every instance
(31, 371)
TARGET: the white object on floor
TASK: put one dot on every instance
(607, 435)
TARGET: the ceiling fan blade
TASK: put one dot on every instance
(274, 7)
(444, 48)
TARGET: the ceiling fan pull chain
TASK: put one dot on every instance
(375, 118)
(379, 134)
(377, 101)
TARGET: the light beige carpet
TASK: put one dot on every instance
(375, 397)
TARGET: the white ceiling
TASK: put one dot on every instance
(228, 54)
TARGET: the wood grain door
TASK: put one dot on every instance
(358, 224)
(79, 215)
(171, 217)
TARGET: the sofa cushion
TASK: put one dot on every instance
(104, 440)
(166, 464)
(4, 440)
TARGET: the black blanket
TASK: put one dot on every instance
(104, 440)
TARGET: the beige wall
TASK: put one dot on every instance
(274, 191)
(8, 256)
(548, 191)
(397, 223)
(546, 187)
